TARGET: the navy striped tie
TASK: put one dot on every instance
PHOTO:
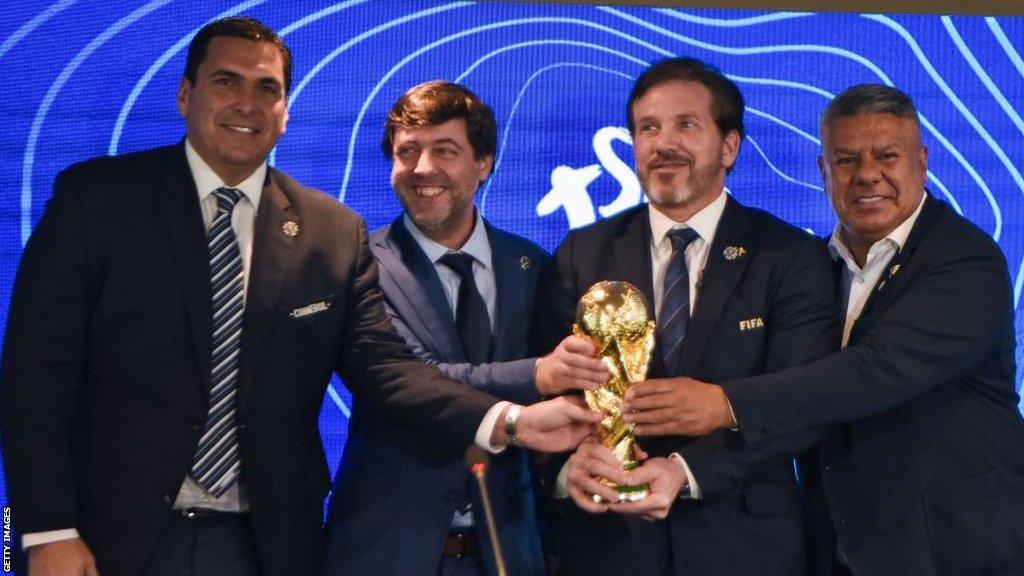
(216, 464)
(675, 300)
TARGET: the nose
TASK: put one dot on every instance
(245, 102)
(424, 163)
(666, 141)
(867, 171)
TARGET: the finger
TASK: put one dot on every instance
(639, 452)
(647, 387)
(579, 346)
(651, 508)
(577, 413)
(590, 487)
(585, 367)
(660, 415)
(586, 502)
(597, 459)
(664, 429)
(650, 401)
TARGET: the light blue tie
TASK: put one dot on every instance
(675, 300)
(216, 464)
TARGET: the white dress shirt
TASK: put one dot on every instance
(704, 223)
(243, 218)
(479, 247)
(858, 283)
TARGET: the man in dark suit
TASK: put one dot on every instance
(923, 471)
(427, 517)
(735, 292)
(176, 318)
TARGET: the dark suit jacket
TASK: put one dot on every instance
(750, 520)
(926, 476)
(397, 487)
(107, 359)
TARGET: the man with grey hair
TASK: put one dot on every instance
(924, 466)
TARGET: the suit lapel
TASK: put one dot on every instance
(416, 278)
(178, 204)
(631, 253)
(894, 276)
(510, 273)
(272, 250)
(722, 271)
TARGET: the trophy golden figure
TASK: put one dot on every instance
(614, 315)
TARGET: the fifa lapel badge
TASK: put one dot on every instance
(734, 252)
(524, 262)
(290, 229)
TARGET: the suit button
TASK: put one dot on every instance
(842, 521)
(241, 426)
(167, 497)
(770, 427)
(451, 495)
(197, 427)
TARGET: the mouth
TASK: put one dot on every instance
(670, 164)
(868, 200)
(428, 191)
(241, 129)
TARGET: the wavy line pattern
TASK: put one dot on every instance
(98, 78)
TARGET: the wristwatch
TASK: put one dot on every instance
(511, 420)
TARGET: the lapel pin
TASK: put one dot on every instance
(733, 252)
(290, 229)
(893, 270)
(524, 262)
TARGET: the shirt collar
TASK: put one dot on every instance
(477, 246)
(897, 238)
(704, 223)
(207, 180)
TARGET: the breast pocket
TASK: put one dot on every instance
(313, 322)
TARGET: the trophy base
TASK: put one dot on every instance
(626, 493)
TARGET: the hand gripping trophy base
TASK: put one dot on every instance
(614, 316)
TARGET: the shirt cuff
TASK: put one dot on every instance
(483, 433)
(37, 538)
(735, 423)
(562, 482)
(691, 480)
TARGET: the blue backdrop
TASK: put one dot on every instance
(91, 78)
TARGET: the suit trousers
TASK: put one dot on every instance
(206, 544)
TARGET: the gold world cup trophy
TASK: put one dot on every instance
(614, 315)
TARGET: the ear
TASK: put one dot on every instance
(483, 167)
(284, 118)
(922, 157)
(184, 90)
(821, 168)
(730, 148)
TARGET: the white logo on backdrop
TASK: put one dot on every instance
(569, 185)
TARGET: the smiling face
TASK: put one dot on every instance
(874, 167)
(681, 155)
(436, 175)
(236, 110)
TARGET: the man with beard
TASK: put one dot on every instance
(177, 315)
(461, 293)
(735, 291)
(922, 471)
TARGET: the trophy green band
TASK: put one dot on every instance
(614, 315)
